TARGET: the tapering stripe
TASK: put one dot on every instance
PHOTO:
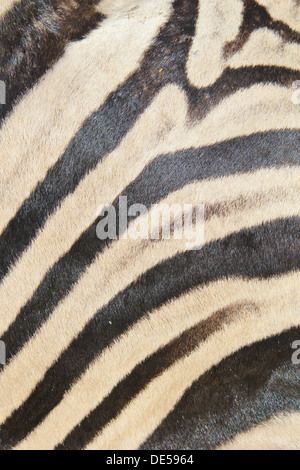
(244, 390)
(105, 128)
(148, 410)
(113, 272)
(164, 175)
(264, 251)
(147, 371)
(78, 211)
(108, 126)
(149, 335)
(55, 109)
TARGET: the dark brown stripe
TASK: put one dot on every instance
(260, 252)
(34, 35)
(243, 391)
(142, 375)
(168, 173)
(256, 16)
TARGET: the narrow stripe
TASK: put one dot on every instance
(146, 337)
(257, 17)
(159, 178)
(265, 47)
(143, 374)
(264, 251)
(146, 412)
(217, 24)
(239, 394)
(53, 112)
(287, 12)
(113, 272)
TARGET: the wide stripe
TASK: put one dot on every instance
(263, 251)
(34, 35)
(115, 119)
(244, 390)
(156, 401)
(146, 337)
(152, 367)
(177, 170)
(59, 104)
(279, 433)
(78, 211)
(105, 129)
(113, 272)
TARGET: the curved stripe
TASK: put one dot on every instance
(156, 401)
(113, 272)
(34, 35)
(257, 17)
(53, 112)
(244, 390)
(145, 338)
(264, 251)
(279, 433)
(112, 122)
(217, 24)
(152, 367)
(166, 174)
(264, 47)
(105, 130)
(287, 11)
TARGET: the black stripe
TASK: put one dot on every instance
(166, 174)
(99, 136)
(141, 376)
(104, 130)
(264, 251)
(244, 390)
(34, 35)
(155, 365)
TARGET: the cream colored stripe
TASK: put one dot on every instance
(151, 406)
(7, 5)
(218, 23)
(113, 271)
(287, 11)
(42, 125)
(264, 47)
(279, 433)
(82, 207)
(260, 185)
(147, 336)
(155, 133)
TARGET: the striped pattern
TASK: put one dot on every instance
(143, 344)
